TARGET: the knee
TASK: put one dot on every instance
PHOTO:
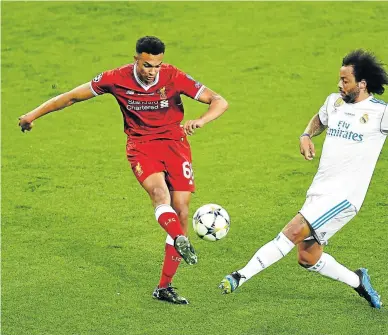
(295, 234)
(159, 195)
(297, 230)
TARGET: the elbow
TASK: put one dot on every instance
(225, 105)
(71, 99)
(219, 102)
(222, 103)
(72, 102)
(62, 101)
(66, 103)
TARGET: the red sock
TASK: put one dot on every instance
(170, 265)
(169, 221)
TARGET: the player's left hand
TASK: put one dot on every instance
(190, 126)
(25, 123)
(307, 148)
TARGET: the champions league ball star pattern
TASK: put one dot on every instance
(211, 222)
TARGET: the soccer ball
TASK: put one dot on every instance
(211, 222)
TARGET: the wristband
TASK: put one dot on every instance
(305, 134)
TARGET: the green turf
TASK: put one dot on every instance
(81, 252)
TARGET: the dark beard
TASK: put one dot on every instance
(351, 97)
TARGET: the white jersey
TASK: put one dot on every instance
(354, 139)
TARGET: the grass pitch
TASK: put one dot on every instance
(81, 252)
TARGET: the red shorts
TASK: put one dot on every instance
(163, 155)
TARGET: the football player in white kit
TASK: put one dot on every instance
(357, 126)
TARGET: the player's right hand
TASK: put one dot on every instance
(190, 126)
(25, 123)
(307, 148)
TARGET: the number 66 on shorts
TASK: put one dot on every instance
(173, 157)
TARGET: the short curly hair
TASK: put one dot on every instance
(367, 67)
(150, 45)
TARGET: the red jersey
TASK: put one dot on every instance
(151, 111)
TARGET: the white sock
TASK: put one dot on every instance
(329, 267)
(163, 208)
(169, 240)
(266, 256)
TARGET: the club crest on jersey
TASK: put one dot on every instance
(338, 102)
(97, 78)
(162, 92)
(364, 118)
(138, 169)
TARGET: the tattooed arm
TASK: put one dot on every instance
(314, 128)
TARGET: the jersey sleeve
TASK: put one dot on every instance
(384, 121)
(323, 112)
(187, 85)
(102, 83)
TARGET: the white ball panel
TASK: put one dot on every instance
(208, 208)
(201, 230)
(207, 219)
(210, 238)
(220, 223)
(221, 233)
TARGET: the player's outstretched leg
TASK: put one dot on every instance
(366, 290)
(267, 255)
(169, 294)
(185, 249)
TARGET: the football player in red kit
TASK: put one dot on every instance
(148, 93)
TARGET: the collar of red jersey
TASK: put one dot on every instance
(143, 85)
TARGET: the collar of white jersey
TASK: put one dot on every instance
(365, 100)
(142, 84)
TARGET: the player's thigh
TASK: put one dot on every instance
(327, 215)
(178, 164)
(297, 229)
(143, 159)
(149, 170)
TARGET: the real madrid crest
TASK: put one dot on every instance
(338, 102)
(364, 118)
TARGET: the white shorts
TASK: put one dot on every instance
(326, 215)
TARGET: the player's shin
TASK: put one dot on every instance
(168, 220)
(267, 255)
(329, 267)
(171, 263)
